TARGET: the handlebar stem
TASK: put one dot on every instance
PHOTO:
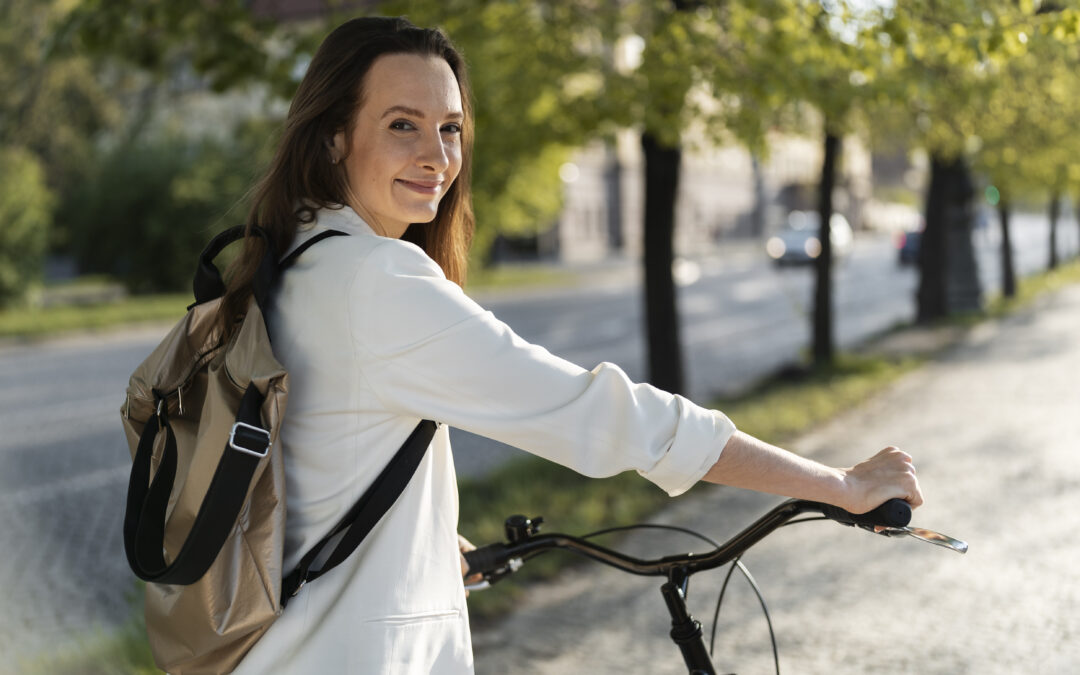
(686, 630)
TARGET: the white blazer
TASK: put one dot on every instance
(375, 339)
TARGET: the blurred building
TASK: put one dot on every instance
(725, 193)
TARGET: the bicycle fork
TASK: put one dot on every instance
(685, 629)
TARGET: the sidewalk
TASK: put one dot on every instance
(993, 425)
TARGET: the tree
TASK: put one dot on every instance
(50, 109)
(1026, 142)
(25, 211)
(931, 68)
(151, 205)
(951, 62)
(812, 53)
(53, 103)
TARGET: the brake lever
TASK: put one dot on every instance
(513, 565)
(929, 536)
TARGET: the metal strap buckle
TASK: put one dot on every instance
(303, 582)
(244, 428)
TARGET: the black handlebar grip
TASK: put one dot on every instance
(893, 513)
(487, 559)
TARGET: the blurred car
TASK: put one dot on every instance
(798, 241)
(907, 247)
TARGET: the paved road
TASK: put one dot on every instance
(995, 431)
(63, 463)
(63, 471)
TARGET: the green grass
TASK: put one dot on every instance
(124, 651)
(519, 276)
(1030, 288)
(32, 322)
(785, 406)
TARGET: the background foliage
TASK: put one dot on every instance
(96, 87)
(25, 212)
(150, 206)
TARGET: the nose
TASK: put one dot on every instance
(432, 156)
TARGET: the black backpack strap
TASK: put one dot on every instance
(367, 511)
(288, 261)
(144, 518)
(208, 284)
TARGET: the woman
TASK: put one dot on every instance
(377, 334)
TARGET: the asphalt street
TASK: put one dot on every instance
(994, 429)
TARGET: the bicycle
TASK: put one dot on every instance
(523, 541)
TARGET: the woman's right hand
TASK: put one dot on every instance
(887, 475)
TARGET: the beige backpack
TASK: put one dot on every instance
(205, 518)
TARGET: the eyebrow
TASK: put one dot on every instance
(417, 113)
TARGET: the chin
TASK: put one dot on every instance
(422, 217)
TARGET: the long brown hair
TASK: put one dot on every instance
(302, 179)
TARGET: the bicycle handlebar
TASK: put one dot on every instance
(494, 560)
(893, 513)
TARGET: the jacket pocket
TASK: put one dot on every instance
(416, 618)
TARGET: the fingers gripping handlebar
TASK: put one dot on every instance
(893, 513)
(488, 559)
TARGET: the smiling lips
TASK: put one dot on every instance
(424, 187)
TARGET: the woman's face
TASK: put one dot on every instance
(405, 147)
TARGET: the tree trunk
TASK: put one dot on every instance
(823, 348)
(661, 312)
(613, 180)
(761, 204)
(1008, 269)
(948, 274)
(1055, 212)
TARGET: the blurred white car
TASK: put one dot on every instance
(798, 241)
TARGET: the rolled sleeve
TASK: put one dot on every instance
(699, 439)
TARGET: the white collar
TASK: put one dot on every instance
(343, 219)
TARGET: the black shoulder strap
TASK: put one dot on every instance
(207, 282)
(288, 261)
(375, 501)
(364, 515)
